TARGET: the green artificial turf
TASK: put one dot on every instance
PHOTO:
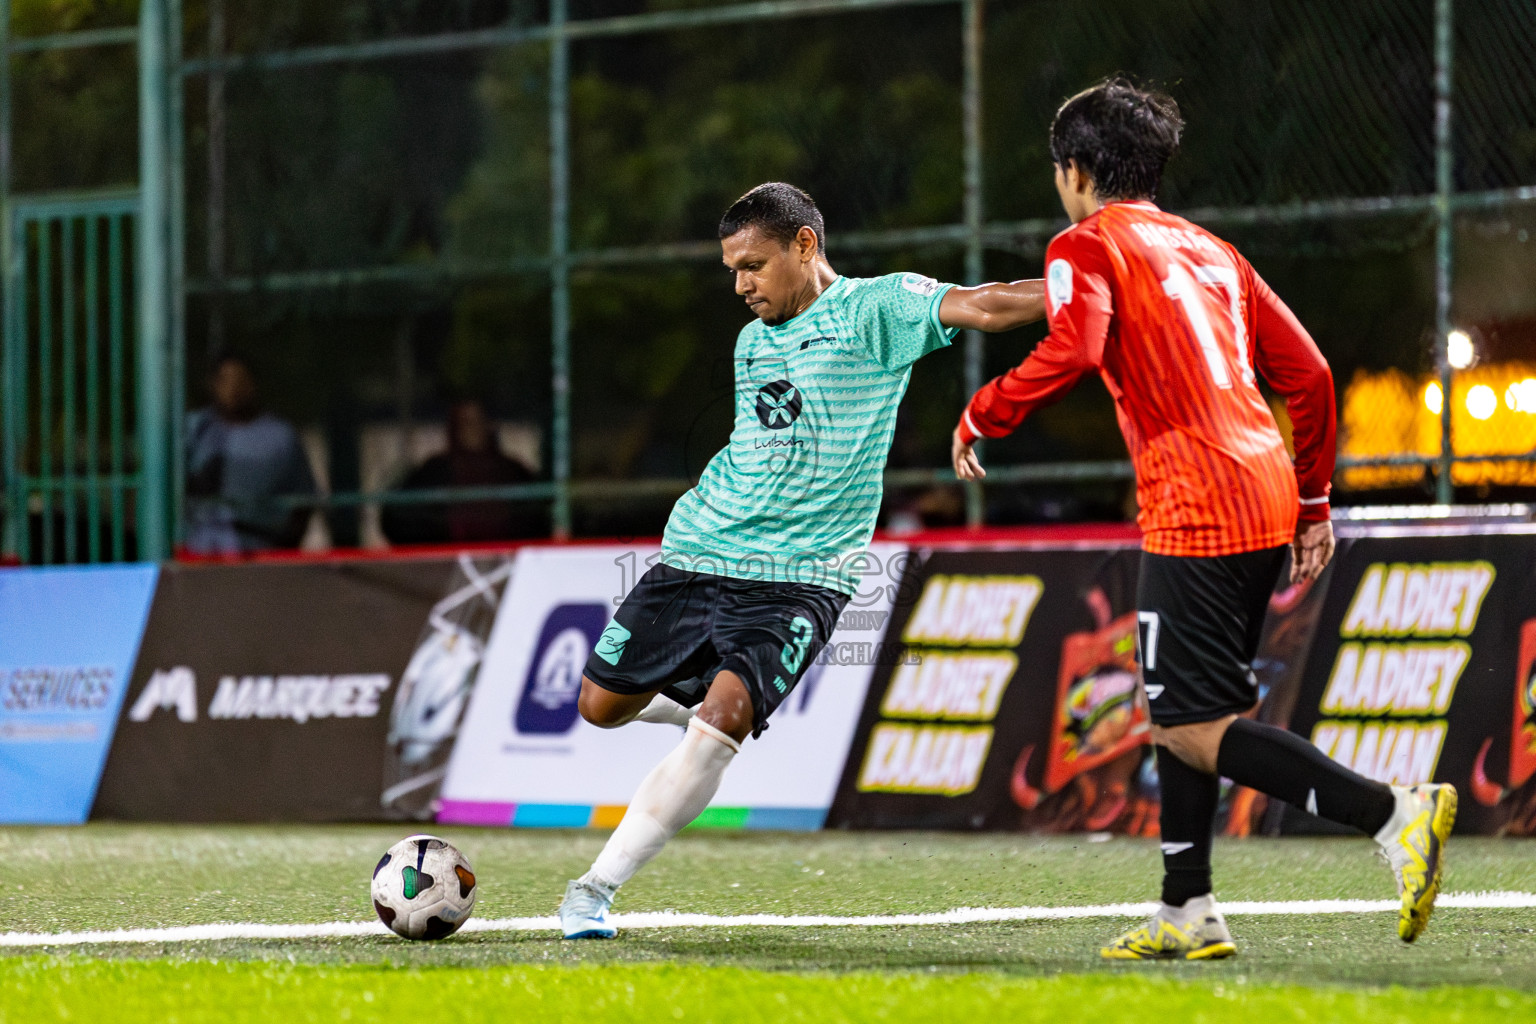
(1319, 967)
(35, 990)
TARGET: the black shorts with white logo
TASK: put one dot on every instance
(1199, 626)
(677, 630)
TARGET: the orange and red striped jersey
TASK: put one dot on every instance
(1177, 324)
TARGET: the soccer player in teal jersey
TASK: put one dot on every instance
(760, 557)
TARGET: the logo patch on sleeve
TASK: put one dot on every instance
(1058, 283)
(919, 285)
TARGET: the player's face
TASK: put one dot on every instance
(234, 389)
(1075, 190)
(770, 276)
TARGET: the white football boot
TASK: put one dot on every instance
(584, 911)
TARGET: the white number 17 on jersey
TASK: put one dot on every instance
(1188, 292)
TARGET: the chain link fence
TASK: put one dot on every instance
(388, 206)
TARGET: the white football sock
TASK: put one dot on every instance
(665, 711)
(672, 795)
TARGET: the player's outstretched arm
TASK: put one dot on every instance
(1048, 373)
(994, 307)
(1080, 315)
(1290, 361)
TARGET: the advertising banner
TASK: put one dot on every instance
(265, 692)
(1015, 703)
(965, 688)
(526, 758)
(68, 637)
(1016, 706)
(1421, 667)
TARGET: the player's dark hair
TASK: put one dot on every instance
(1119, 135)
(778, 211)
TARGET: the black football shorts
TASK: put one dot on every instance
(1199, 625)
(677, 630)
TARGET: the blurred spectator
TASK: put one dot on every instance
(474, 459)
(238, 460)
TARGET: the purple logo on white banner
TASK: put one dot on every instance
(548, 702)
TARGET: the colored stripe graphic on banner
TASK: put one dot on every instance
(502, 815)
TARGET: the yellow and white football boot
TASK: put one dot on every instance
(1195, 931)
(1413, 841)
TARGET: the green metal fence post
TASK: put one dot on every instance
(93, 388)
(1445, 229)
(17, 399)
(67, 376)
(559, 269)
(176, 254)
(975, 344)
(44, 380)
(117, 387)
(153, 261)
(12, 514)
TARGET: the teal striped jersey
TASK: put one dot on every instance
(794, 496)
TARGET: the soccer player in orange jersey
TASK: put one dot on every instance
(1179, 327)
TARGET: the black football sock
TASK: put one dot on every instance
(1286, 766)
(1189, 807)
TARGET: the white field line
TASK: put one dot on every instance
(671, 919)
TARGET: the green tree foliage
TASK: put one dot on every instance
(75, 111)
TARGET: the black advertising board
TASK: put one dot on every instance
(1017, 679)
(1412, 659)
(1043, 728)
(264, 692)
(1421, 667)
